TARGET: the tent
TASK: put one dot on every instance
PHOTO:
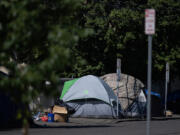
(90, 96)
(138, 107)
(131, 95)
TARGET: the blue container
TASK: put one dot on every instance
(50, 117)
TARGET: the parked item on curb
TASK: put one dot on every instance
(37, 116)
(168, 113)
(50, 117)
(60, 114)
(61, 103)
(60, 117)
(44, 118)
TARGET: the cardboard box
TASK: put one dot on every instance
(168, 113)
(59, 109)
(60, 114)
(60, 117)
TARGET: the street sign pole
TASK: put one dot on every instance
(149, 83)
(118, 80)
(149, 30)
(166, 86)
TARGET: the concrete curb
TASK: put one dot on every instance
(87, 122)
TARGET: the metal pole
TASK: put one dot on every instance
(117, 99)
(166, 86)
(118, 80)
(149, 84)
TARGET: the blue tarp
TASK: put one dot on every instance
(153, 93)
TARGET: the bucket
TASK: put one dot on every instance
(50, 117)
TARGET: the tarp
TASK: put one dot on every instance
(153, 93)
(129, 87)
(131, 95)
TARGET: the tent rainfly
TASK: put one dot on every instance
(90, 96)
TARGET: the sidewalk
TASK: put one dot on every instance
(79, 122)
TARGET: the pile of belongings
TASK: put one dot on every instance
(62, 111)
(58, 113)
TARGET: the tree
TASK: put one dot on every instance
(166, 43)
(119, 32)
(39, 34)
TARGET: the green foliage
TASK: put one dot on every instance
(119, 32)
(167, 44)
(39, 34)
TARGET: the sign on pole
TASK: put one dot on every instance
(150, 21)
(149, 30)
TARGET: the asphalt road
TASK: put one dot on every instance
(158, 127)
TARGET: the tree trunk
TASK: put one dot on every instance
(25, 129)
